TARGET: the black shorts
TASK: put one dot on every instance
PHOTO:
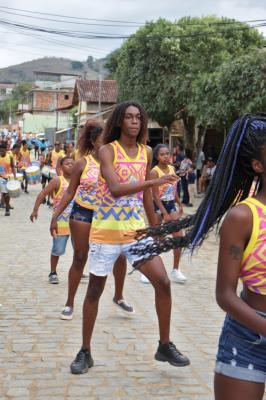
(168, 205)
(81, 214)
(45, 179)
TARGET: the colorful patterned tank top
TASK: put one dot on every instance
(116, 219)
(63, 219)
(5, 166)
(167, 191)
(86, 194)
(25, 159)
(253, 269)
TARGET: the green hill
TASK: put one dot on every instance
(25, 72)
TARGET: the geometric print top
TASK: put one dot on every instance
(167, 191)
(86, 193)
(253, 269)
(62, 219)
(116, 220)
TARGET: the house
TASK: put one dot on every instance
(93, 97)
(6, 90)
(48, 102)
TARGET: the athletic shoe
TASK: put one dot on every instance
(26, 191)
(177, 276)
(143, 279)
(169, 353)
(67, 313)
(53, 278)
(124, 306)
(82, 362)
(11, 208)
(7, 213)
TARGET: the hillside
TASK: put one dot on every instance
(24, 72)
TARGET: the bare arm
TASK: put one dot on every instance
(13, 167)
(118, 189)
(235, 234)
(155, 194)
(147, 194)
(58, 167)
(52, 187)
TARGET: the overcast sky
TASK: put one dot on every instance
(17, 47)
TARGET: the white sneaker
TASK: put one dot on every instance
(177, 276)
(143, 279)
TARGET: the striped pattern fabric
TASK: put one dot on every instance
(63, 219)
(253, 269)
(86, 194)
(116, 220)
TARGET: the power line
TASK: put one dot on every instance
(72, 17)
(99, 35)
(124, 25)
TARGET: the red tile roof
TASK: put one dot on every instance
(88, 90)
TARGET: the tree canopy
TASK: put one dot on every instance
(167, 66)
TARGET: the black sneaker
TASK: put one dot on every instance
(26, 191)
(168, 352)
(7, 213)
(53, 278)
(124, 306)
(82, 362)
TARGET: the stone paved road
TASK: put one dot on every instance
(36, 347)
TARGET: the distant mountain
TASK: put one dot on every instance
(25, 72)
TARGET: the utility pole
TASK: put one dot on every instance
(100, 92)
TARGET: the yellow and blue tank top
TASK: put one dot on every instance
(116, 220)
(167, 191)
(253, 266)
(63, 219)
(5, 165)
(86, 193)
(24, 159)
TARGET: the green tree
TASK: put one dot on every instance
(161, 62)
(11, 104)
(77, 65)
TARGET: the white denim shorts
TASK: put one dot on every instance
(102, 256)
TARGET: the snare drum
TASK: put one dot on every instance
(19, 177)
(46, 171)
(13, 188)
(33, 175)
(53, 173)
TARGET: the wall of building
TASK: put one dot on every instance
(38, 122)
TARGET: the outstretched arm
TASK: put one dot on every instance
(52, 187)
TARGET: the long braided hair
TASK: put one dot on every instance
(231, 183)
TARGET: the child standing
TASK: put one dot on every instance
(165, 197)
(56, 188)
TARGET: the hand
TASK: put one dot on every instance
(34, 215)
(168, 178)
(53, 227)
(180, 211)
(166, 217)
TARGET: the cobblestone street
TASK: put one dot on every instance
(37, 347)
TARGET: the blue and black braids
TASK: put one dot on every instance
(231, 183)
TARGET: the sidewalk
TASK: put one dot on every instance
(37, 347)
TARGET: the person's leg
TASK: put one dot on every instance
(26, 181)
(90, 308)
(119, 271)
(80, 232)
(185, 190)
(155, 271)
(54, 262)
(226, 388)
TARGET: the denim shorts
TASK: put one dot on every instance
(103, 256)
(3, 188)
(59, 245)
(81, 214)
(241, 352)
(168, 205)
